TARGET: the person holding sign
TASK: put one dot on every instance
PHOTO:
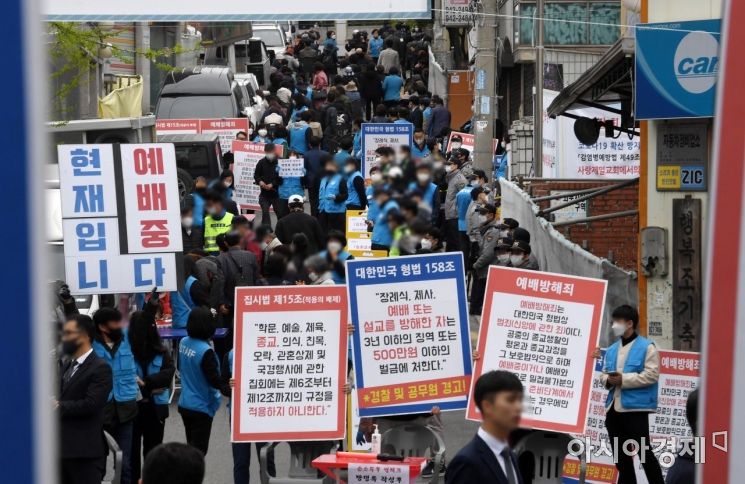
(266, 176)
(487, 457)
(631, 370)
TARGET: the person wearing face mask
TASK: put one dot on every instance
(423, 183)
(462, 202)
(266, 176)
(455, 143)
(318, 271)
(262, 135)
(299, 222)
(473, 223)
(502, 254)
(520, 256)
(519, 233)
(192, 237)
(333, 195)
(431, 243)
(419, 149)
(357, 198)
(314, 160)
(335, 256)
(197, 198)
(456, 182)
(85, 382)
(507, 226)
(224, 184)
(267, 240)
(631, 370)
(112, 344)
(381, 233)
(489, 236)
(218, 221)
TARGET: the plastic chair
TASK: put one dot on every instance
(301, 455)
(412, 440)
(118, 458)
(540, 456)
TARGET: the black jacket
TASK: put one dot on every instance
(476, 463)
(301, 222)
(193, 241)
(234, 263)
(266, 171)
(81, 408)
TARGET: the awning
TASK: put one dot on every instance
(608, 82)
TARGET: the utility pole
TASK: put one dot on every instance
(485, 95)
(538, 93)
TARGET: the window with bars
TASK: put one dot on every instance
(570, 23)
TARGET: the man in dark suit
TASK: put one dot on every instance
(85, 384)
(487, 458)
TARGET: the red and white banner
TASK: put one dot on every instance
(290, 362)
(543, 327)
(225, 128)
(723, 375)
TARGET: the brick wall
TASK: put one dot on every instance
(615, 239)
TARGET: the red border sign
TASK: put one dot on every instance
(250, 300)
(553, 288)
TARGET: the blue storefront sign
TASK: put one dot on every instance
(676, 69)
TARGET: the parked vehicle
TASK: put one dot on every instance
(255, 104)
(196, 155)
(200, 92)
(274, 37)
(252, 56)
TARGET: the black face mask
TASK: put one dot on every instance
(70, 347)
(116, 334)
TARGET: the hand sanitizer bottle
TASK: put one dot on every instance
(375, 441)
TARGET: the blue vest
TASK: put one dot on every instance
(419, 153)
(644, 398)
(180, 309)
(290, 186)
(353, 197)
(196, 392)
(123, 369)
(298, 143)
(357, 144)
(381, 234)
(198, 209)
(428, 196)
(186, 292)
(343, 255)
(161, 398)
(462, 201)
(330, 186)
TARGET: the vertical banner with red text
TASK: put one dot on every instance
(289, 363)
(412, 348)
(543, 327)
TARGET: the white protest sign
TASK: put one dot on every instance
(411, 344)
(289, 363)
(378, 135)
(225, 129)
(105, 251)
(378, 473)
(246, 154)
(542, 327)
(291, 167)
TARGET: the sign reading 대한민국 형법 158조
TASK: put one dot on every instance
(543, 327)
(290, 363)
(121, 217)
(411, 343)
(676, 69)
(378, 135)
(231, 10)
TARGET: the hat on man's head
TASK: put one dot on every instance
(522, 246)
(510, 223)
(487, 208)
(504, 243)
(295, 200)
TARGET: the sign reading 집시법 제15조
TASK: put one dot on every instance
(290, 363)
(543, 327)
(411, 342)
(121, 217)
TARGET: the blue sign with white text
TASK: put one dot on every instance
(412, 346)
(676, 69)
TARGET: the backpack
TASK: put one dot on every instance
(338, 125)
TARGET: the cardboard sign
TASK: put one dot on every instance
(121, 217)
(378, 473)
(291, 167)
(246, 155)
(543, 327)
(412, 348)
(377, 135)
(290, 363)
(358, 237)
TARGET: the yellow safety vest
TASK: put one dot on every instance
(213, 228)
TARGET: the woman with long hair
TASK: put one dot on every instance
(155, 371)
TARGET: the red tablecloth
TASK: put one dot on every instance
(330, 463)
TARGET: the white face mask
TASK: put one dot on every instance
(250, 131)
(349, 169)
(334, 247)
(262, 133)
(455, 145)
(449, 168)
(263, 245)
(378, 160)
(618, 329)
(504, 233)
(227, 183)
(187, 222)
(503, 258)
(212, 211)
(313, 276)
(482, 219)
(270, 156)
(422, 177)
(475, 183)
(426, 244)
(516, 260)
(376, 177)
(438, 165)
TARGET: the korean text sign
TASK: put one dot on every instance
(542, 327)
(411, 344)
(377, 135)
(120, 217)
(290, 363)
(246, 155)
(226, 129)
(379, 473)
